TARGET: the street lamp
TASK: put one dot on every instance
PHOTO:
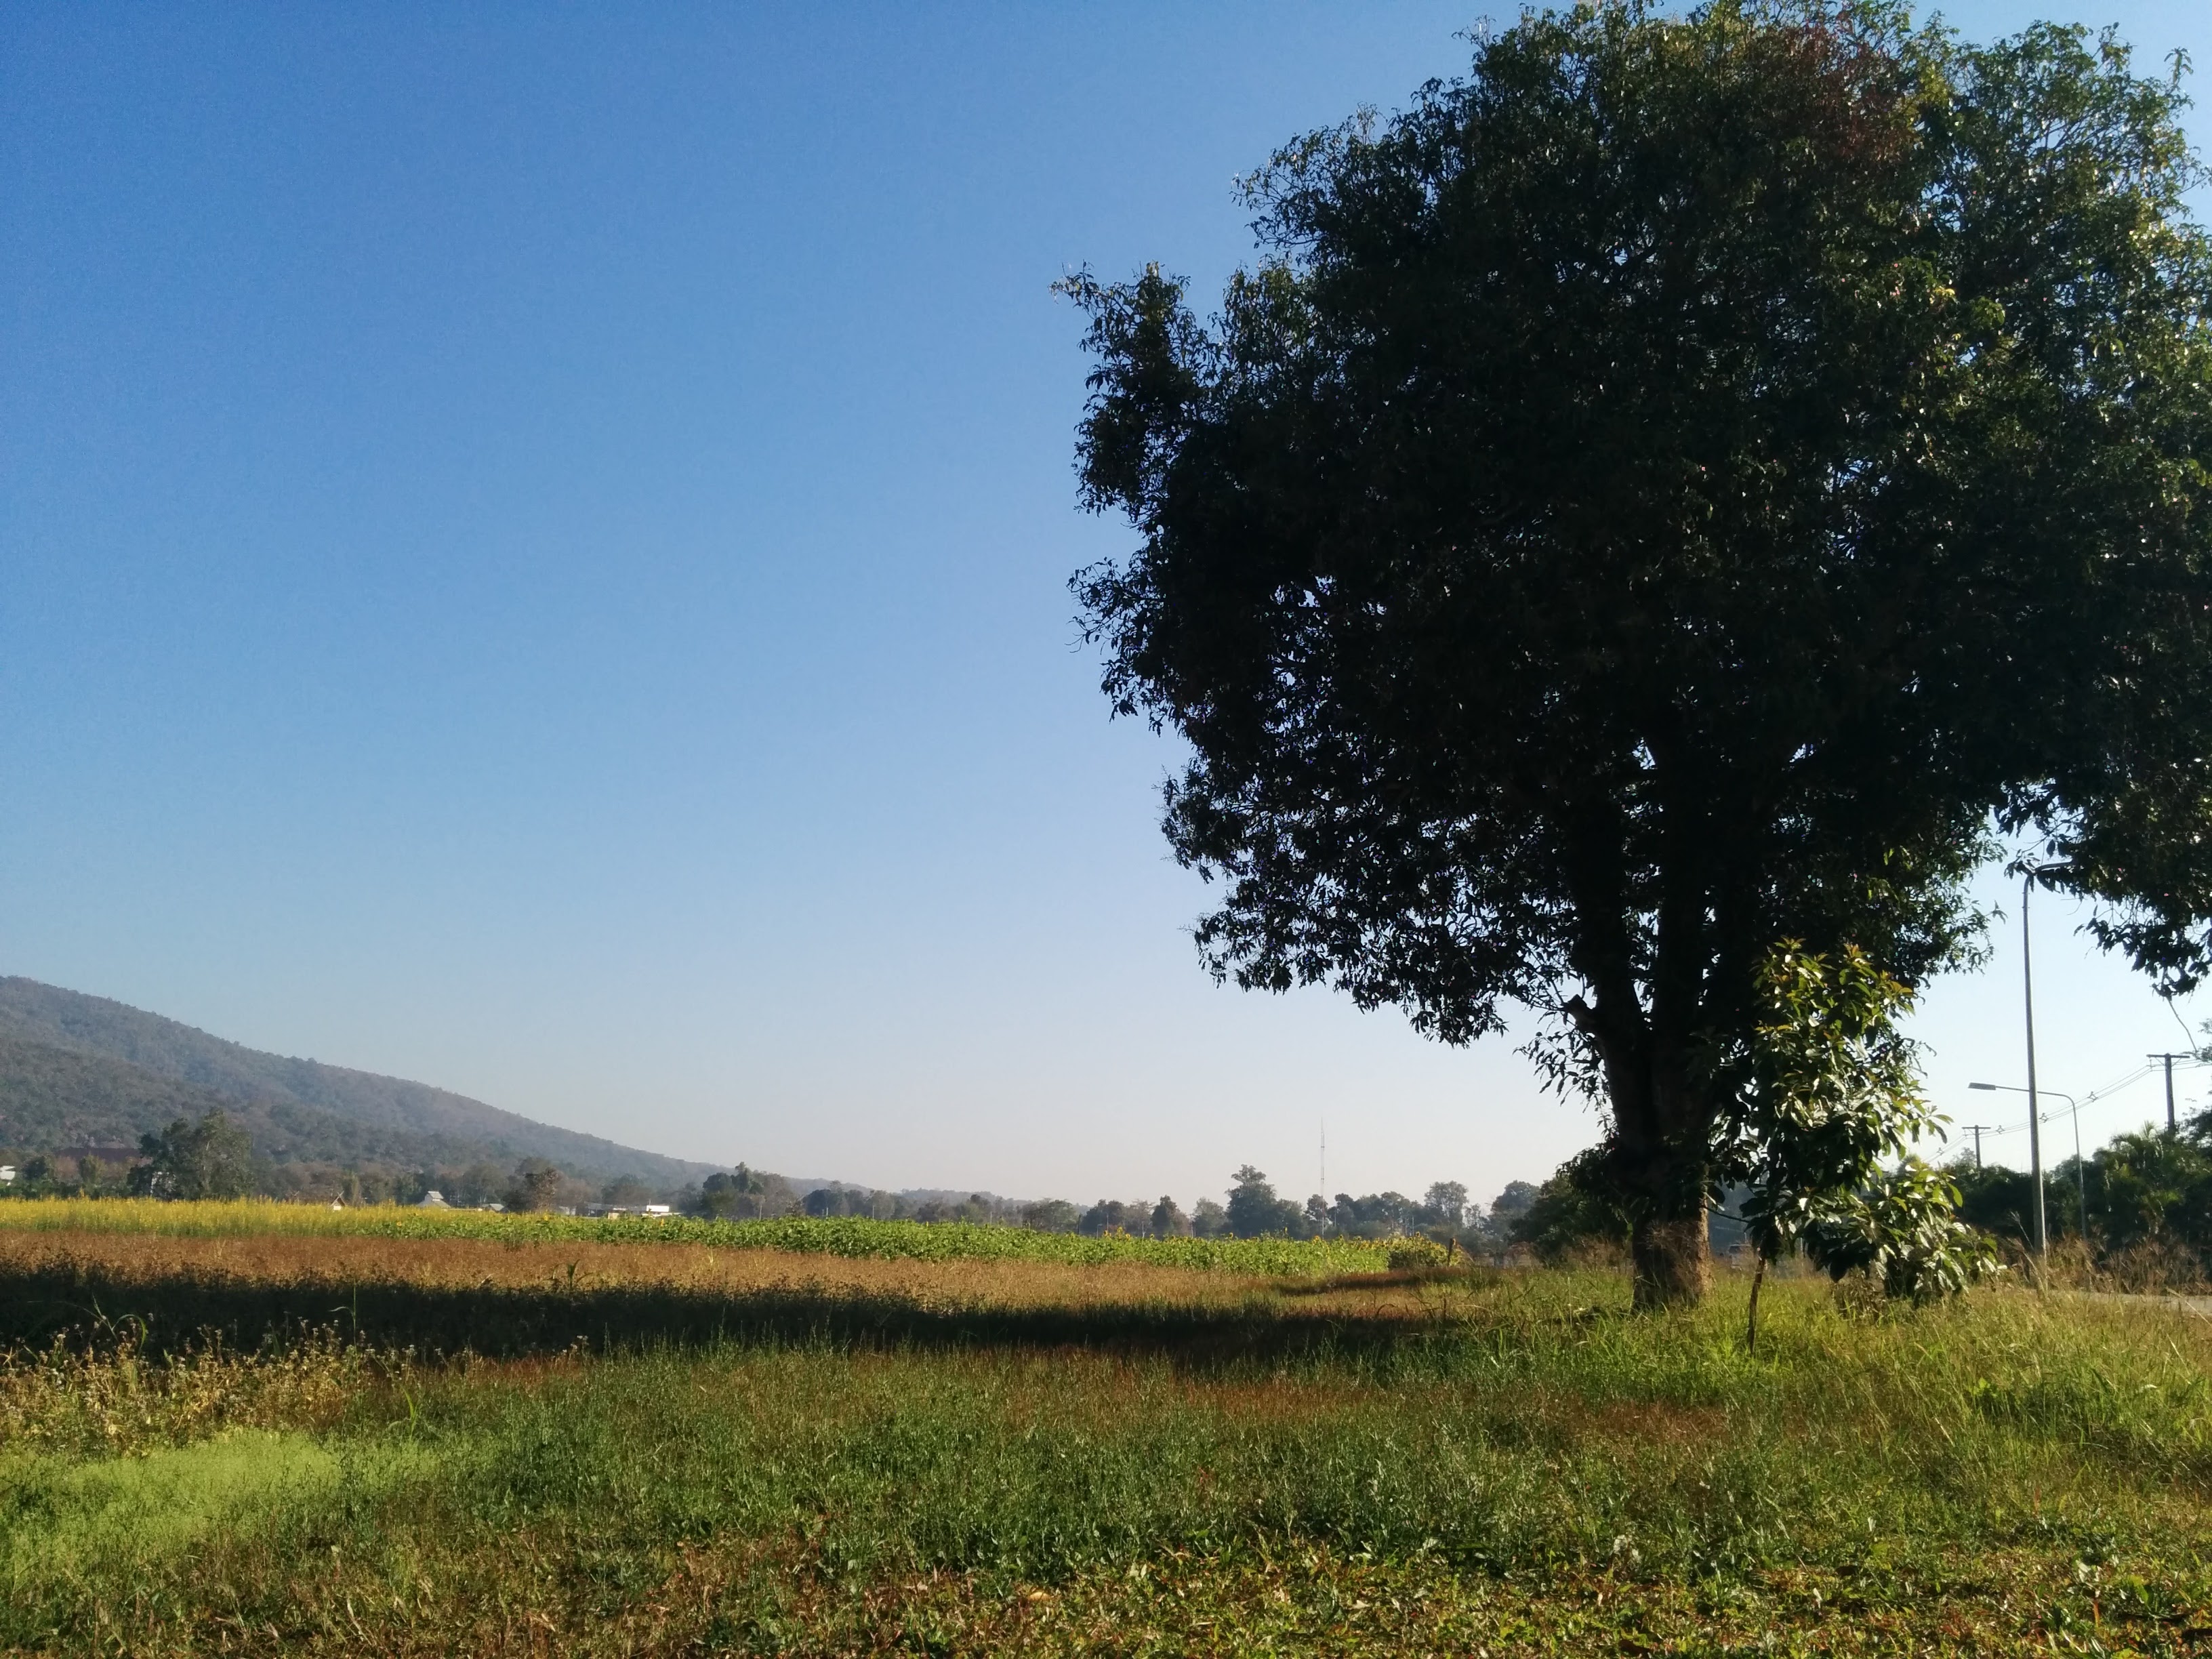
(2080, 1180)
(2027, 873)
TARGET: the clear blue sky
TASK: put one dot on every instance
(532, 555)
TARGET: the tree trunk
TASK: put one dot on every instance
(1661, 1127)
(1673, 1269)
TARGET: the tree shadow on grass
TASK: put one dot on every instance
(1478, 1278)
(167, 1313)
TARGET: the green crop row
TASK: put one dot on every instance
(848, 1235)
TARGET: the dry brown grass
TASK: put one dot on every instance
(106, 1401)
(2155, 1266)
(478, 1264)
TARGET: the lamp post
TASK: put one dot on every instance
(2034, 1124)
(2081, 1179)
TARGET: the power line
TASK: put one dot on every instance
(2189, 1062)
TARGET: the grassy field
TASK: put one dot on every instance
(854, 1236)
(562, 1444)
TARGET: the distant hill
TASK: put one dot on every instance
(52, 1097)
(77, 1070)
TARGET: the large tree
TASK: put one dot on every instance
(1694, 483)
(210, 1158)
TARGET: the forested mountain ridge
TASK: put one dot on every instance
(77, 1070)
(52, 1098)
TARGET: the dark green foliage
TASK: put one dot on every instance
(1664, 495)
(212, 1157)
(744, 1195)
(1111, 1215)
(1445, 1204)
(1570, 1215)
(1509, 1206)
(1999, 1201)
(2152, 1186)
(37, 1178)
(537, 1186)
(1377, 1215)
(1167, 1220)
(2147, 1190)
(1823, 1105)
(1048, 1215)
(52, 1097)
(480, 1183)
(978, 1209)
(1255, 1212)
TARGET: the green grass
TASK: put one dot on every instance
(845, 1235)
(73, 1520)
(1532, 1470)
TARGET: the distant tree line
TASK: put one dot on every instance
(210, 1156)
(214, 1157)
(2143, 1196)
(1250, 1208)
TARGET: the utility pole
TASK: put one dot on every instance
(2169, 1059)
(2034, 1113)
(2080, 1167)
(1975, 1129)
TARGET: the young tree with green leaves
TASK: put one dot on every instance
(1824, 1109)
(1672, 491)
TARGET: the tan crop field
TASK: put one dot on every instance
(451, 1295)
(215, 1442)
(463, 1263)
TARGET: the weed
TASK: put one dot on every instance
(984, 1455)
